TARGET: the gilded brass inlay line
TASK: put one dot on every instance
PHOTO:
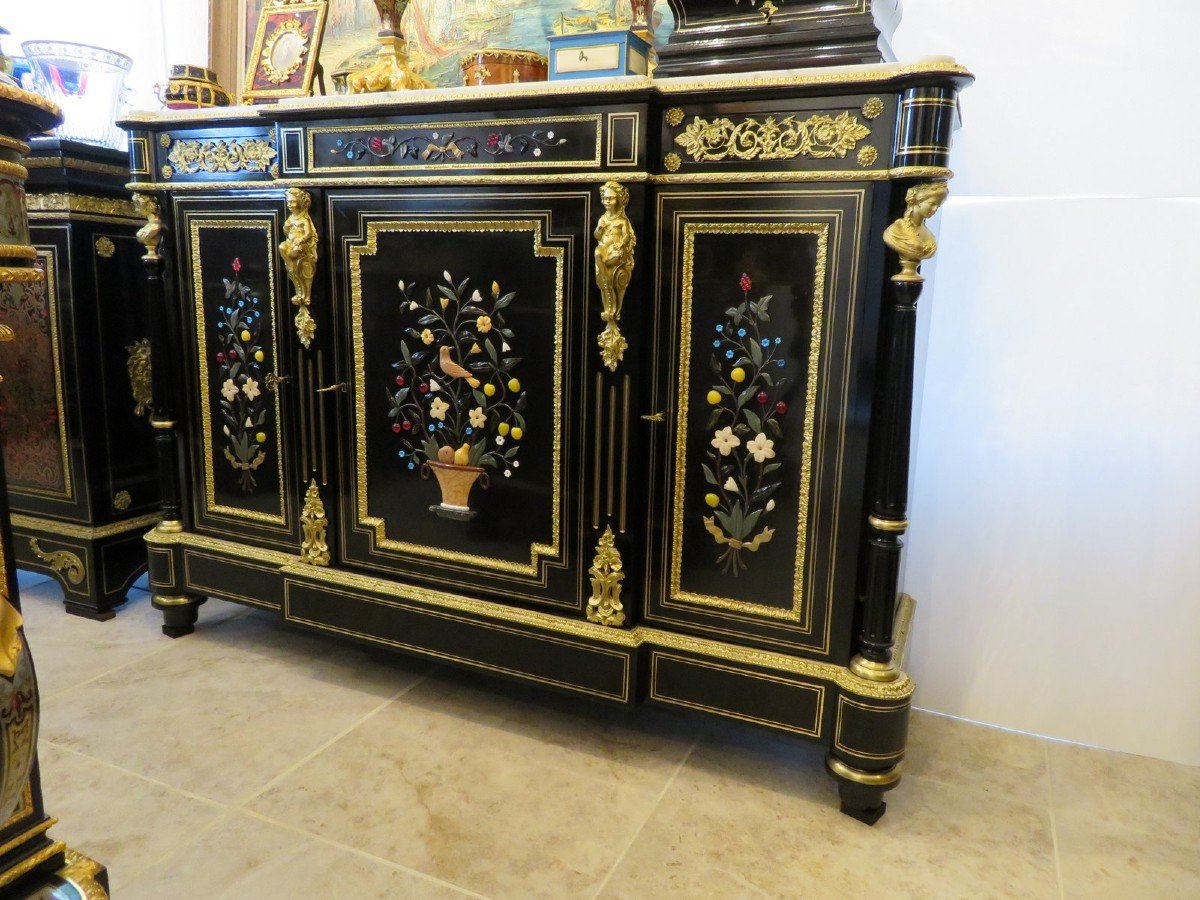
(377, 525)
(23, 522)
(30, 862)
(597, 451)
(266, 227)
(466, 179)
(80, 165)
(82, 203)
(821, 231)
(291, 567)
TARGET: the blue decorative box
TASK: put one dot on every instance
(594, 54)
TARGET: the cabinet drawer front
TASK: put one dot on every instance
(236, 322)
(761, 302)
(465, 312)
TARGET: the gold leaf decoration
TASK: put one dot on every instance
(818, 137)
(221, 156)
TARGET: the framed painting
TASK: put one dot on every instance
(285, 52)
(439, 32)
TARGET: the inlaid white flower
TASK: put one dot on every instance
(439, 408)
(725, 441)
(229, 390)
(770, 505)
(478, 417)
(730, 484)
(250, 389)
(761, 448)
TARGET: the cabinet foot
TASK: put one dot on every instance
(179, 614)
(88, 612)
(862, 792)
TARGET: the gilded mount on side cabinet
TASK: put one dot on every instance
(615, 245)
(299, 253)
(150, 234)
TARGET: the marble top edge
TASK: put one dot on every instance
(340, 103)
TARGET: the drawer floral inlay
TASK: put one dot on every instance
(439, 147)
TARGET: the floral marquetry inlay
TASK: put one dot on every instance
(772, 138)
(456, 404)
(240, 363)
(219, 156)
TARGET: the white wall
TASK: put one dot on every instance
(1055, 548)
(154, 33)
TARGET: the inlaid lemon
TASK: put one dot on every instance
(245, 335)
(261, 437)
(514, 385)
(714, 398)
(503, 429)
(258, 356)
(712, 500)
(738, 374)
(489, 390)
(517, 434)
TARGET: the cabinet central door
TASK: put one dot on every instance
(464, 313)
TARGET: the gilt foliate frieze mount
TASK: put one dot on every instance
(784, 139)
(236, 155)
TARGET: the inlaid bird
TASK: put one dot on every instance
(453, 369)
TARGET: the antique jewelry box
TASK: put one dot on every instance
(602, 385)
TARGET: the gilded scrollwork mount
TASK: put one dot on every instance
(615, 246)
(314, 549)
(607, 574)
(909, 236)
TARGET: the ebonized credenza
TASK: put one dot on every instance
(82, 478)
(604, 386)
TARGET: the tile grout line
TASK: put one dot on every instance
(358, 851)
(163, 649)
(649, 814)
(241, 802)
(191, 795)
(1054, 824)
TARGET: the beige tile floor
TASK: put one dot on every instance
(251, 760)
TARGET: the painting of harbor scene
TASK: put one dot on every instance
(439, 32)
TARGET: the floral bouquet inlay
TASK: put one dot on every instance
(240, 361)
(455, 402)
(745, 397)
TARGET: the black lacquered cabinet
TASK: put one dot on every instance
(82, 482)
(604, 386)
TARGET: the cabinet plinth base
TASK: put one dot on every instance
(87, 612)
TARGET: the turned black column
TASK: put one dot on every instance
(887, 521)
(162, 382)
(913, 243)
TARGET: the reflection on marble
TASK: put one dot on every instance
(750, 815)
(1127, 826)
(965, 754)
(250, 760)
(123, 820)
(489, 786)
(226, 709)
(244, 857)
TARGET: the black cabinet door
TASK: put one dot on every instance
(466, 320)
(765, 337)
(237, 334)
